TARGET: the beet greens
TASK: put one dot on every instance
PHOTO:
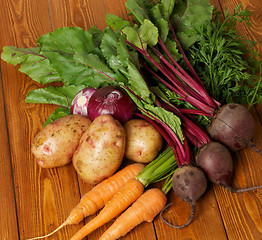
(144, 38)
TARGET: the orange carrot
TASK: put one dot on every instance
(145, 208)
(121, 201)
(96, 198)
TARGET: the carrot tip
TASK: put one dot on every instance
(48, 235)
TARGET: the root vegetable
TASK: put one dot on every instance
(55, 145)
(121, 201)
(215, 159)
(96, 198)
(153, 172)
(101, 150)
(143, 142)
(189, 183)
(111, 100)
(80, 102)
(145, 208)
(233, 125)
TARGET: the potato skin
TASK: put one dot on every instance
(56, 143)
(101, 150)
(143, 141)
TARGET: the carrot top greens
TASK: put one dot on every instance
(227, 62)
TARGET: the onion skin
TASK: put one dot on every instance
(111, 100)
(81, 100)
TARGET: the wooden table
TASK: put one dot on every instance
(34, 201)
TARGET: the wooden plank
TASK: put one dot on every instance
(75, 13)
(241, 213)
(8, 227)
(78, 13)
(44, 197)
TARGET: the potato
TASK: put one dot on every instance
(143, 141)
(55, 145)
(101, 150)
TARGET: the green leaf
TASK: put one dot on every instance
(59, 112)
(163, 28)
(167, 7)
(146, 34)
(61, 96)
(100, 70)
(116, 22)
(138, 84)
(109, 43)
(162, 10)
(189, 15)
(167, 117)
(172, 48)
(33, 63)
(61, 46)
(137, 8)
(97, 35)
(123, 52)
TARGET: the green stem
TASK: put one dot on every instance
(168, 184)
(158, 168)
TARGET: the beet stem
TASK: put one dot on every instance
(190, 219)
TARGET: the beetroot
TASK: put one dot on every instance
(189, 183)
(216, 161)
(233, 125)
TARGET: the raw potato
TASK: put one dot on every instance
(55, 145)
(101, 150)
(143, 141)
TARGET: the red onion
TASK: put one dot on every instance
(111, 100)
(81, 100)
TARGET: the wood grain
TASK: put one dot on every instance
(8, 228)
(34, 201)
(78, 13)
(241, 213)
(43, 197)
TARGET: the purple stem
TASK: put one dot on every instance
(190, 99)
(193, 132)
(164, 134)
(186, 77)
(184, 96)
(195, 112)
(182, 157)
(173, 72)
(185, 57)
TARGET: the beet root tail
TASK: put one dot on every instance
(252, 145)
(240, 190)
(190, 219)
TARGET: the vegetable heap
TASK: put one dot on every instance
(186, 73)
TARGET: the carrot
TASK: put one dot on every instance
(130, 193)
(121, 201)
(96, 198)
(145, 208)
